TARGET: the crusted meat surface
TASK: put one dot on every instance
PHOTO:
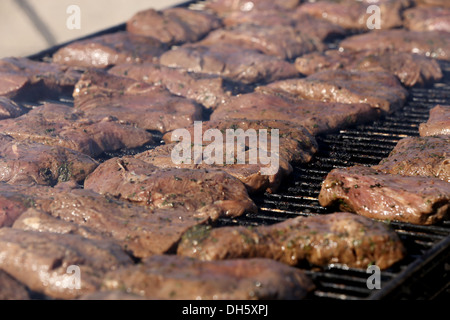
(10, 109)
(438, 122)
(427, 19)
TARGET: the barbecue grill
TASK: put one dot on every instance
(425, 272)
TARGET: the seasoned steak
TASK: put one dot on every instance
(354, 15)
(438, 123)
(342, 238)
(100, 95)
(23, 162)
(421, 156)
(230, 61)
(11, 289)
(316, 116)
(110, 49)
(210, 192)
(174, 277)
(173, 25)
(25, 79)
(409, 68)
(432, 44)
(60, 125)
(381, 90)
(427, 19)
(10, 109)
(208, 90)
(374, 194)
(282, 41)
(225, 7)
(42, 261)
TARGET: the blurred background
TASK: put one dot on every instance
(29, 26)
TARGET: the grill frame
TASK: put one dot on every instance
(415, 277)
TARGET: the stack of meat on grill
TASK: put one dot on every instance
(87, 177)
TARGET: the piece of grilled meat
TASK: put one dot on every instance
(438, 122)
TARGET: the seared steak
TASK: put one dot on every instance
(110, 49)
(438, 123)
(432, 44)
(410, 69)
(10, 109)
(230, 61)
(173, 25)
(372, 193)
(22, 78)
(427, 19)
(316, 116)
(381, 90)
(11, 289)
(421, 156)
(208, 90)
(281, 41)
(225, 7)
(41, 260)
(353, 15)
(342, 238)
(60, 125)
(23, 162)
(175, 277)
(149, 107)
(208, 191)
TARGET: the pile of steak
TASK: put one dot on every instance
(126, 156)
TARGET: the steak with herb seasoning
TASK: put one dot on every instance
(316, 116)
(99, 95)
(438, 122)
(419, 156)
(209, 192)
(411, 69)
(25, 79)
(23, 162)
(60, 125)
(427, 19)
(40, 260)
(342, 238)
(173, 25)
(10, 109)
(110, 49)
(182, 278)
(381, 90)
(433, 44)
(208, 90)
(11, 289)
(374, 194)
(230, 61)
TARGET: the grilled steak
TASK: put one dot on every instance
(380, 90)
(410, 69)
(427, 19)
(353, 15)
(60, 125)
(10, 109)
(230, 61)
(149, 107)
(372, 193)
(110, 49)
(438, 3)
(210, 192)
(23, 162)
(316, 116)
(41, 260)
(174, 277)
(208, 90)
(21, 78)
(225, 7)
(421, 156)
(173, 25)
(281, 41)
(342, 238)
(432, 44)
(11, 289)
(438, 123)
